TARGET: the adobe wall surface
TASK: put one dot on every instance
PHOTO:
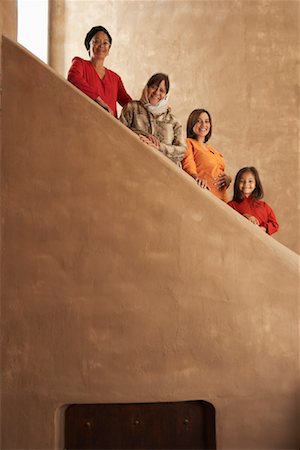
(8, 27)
(238, 59)
(8, 18)
(8, 21)
(125, 282)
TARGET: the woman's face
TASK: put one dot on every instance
(247, 183)
(157, 92)
(202, 126)
(99, 46)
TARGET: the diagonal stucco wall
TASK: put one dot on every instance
(8, 26)
(237, 58)
(124, 282)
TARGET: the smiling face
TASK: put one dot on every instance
(202, 127)
(99, 45)
(247, 183)
(157, 92)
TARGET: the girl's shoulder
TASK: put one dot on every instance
(257, 202)
(264, 205)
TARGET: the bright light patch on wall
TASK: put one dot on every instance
(33, 26)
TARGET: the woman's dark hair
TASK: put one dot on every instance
(157, 78)
(192, 120)
(258, 192)
(92, 33)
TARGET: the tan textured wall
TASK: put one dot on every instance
(8, 27)
(238, 59)
(8, 18)
(124, 282)
(8, 22)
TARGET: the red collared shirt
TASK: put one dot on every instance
(259, 209)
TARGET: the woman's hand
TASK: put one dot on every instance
(104, 105)
(150, 140)
(223, 181)
(252, 219)
(202, 183)
(144, 139)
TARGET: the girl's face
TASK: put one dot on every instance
(202, 126)
(247, 183)
(157, 92)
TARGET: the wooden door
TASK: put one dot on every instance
(180, 425)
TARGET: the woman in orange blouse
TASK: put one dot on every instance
(202, 161)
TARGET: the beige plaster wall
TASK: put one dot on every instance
(238, 59)
(8, 23)
(125, 282)
(8, 18)
(8, 27)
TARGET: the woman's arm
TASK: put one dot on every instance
(123, 96)
(272, 225)
(76, 77)
(177, 149)
(126, 115)
(188, 162)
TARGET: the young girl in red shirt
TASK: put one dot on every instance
(248, 192)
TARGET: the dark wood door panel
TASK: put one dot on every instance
(180, 425)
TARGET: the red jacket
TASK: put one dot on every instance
(259, 209)
(111, 89)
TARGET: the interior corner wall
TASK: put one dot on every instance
(8, 24)
(238, 59)
(8, 18)
(8, 27)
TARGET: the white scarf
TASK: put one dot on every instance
(158, 109)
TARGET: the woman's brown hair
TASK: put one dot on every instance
(157, 78)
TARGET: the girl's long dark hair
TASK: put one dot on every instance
(258, 192)
(193, 117)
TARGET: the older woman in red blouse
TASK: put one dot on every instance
(93, 78)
